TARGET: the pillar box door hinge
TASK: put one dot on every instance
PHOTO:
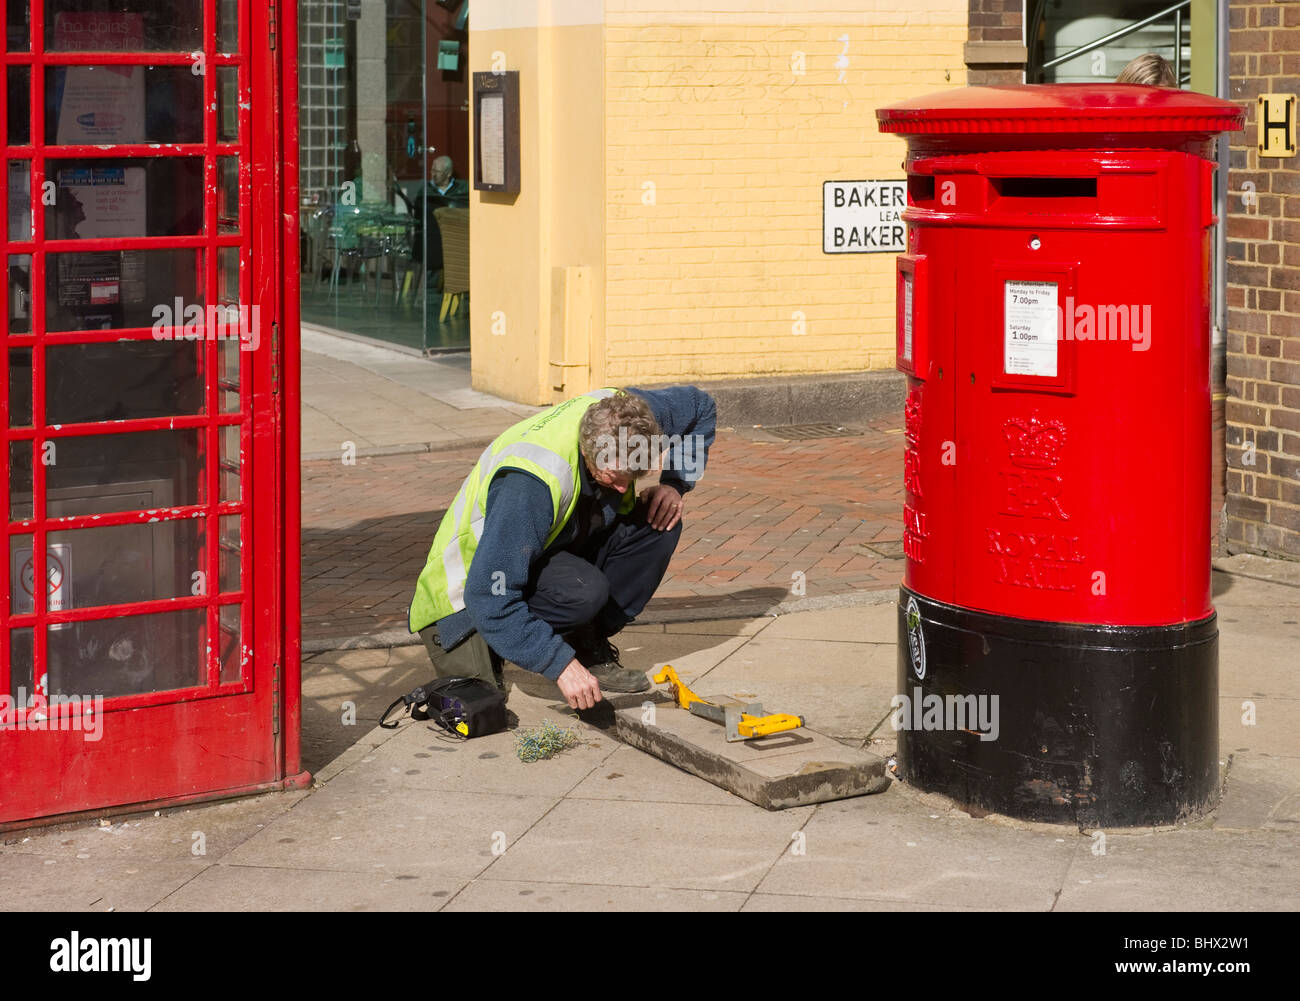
(272, 26)
(275, 700)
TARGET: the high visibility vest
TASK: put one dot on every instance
(545, 445)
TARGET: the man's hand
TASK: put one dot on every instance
(663, 506)
(578, 686)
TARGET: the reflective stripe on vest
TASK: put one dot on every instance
(441, 588)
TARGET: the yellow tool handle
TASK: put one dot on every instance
(681, 693)
(765, 726)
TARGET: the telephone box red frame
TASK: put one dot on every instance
(219, 738)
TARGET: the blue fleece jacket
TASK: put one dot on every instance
(518, 519)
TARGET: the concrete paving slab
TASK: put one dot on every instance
(44, 883)
(168, 837)
(1278, 571)
(418, 431)
(346, 692)
(852, 624)
(694, 659)
(632, 775)
(769, 902)
(488, 894)
(892, 848)
(1232, 592)
(425, 757)
(795, 768)
(1261, 793)
(232, 888)
(346, 660)
(1260, 661)
(1190, 870)
(354, 753)
(823, 662)
(361, 822)
(710, 627)
(1277, 724)
(666, 845)
(694, 652)
(321, 433)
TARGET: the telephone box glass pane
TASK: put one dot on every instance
(228, 26)
(20, 480)
(93, 105)
(122, 381)
(150, 196)
(136, 471)
(20, 200)
(231, 647)
(129, 654)
(230, 553)
(228, 194)
(18, 25)
(103, 289)
(20, 387)
(228, 275)
(230, 465)
(21, 662)
(228, 103)
(20, 294)
(132, 25)
(118, 564)
(228, 374)
(20, 105)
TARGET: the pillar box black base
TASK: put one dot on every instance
(1096, 726)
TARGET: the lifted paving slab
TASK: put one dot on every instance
(796, 768)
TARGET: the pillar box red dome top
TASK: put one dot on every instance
(1062, 116)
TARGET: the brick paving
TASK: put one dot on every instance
(770, 521)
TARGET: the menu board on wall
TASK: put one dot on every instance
(496, 131)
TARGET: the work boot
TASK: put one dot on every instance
(599, 656)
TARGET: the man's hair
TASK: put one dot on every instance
(632, 451)
(1149, 69)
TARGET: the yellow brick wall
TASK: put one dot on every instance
(707, 279)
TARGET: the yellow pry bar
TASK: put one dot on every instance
(748, 727)
(681, 693)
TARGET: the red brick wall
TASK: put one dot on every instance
(995, 51)
(1262, 441)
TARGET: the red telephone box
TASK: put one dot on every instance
(149, 642)
(1058, 648)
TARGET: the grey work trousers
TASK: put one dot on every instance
(470, 658)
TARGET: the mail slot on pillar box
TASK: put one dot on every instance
(1058, 650)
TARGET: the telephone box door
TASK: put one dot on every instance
(143, 602)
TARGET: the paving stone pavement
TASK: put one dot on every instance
(769, 522)
(413, 820)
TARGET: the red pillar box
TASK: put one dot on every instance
(1058, 651)
(148, 601)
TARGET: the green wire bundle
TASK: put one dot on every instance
(544, 741)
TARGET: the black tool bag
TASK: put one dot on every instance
(466, 707)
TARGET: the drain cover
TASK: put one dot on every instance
(803, 432)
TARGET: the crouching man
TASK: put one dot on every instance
(548, 550)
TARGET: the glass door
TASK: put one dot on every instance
(139, 404)
(384, 107)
